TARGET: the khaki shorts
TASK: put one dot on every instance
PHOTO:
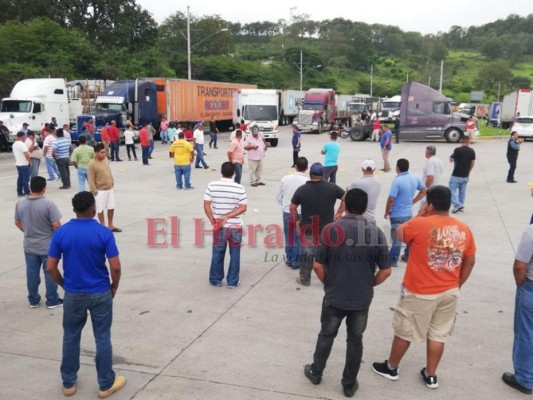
(421, 317)
(105, 200)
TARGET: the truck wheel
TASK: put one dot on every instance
(357, 133)
(274, 142)
(453, 135)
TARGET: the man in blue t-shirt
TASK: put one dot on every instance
(331, 152)
(84, 245)
(386, 146)
(400, 204)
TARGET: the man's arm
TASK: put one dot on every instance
(27, 155)
(342, 208)
(293, 209)
(114, 267)
(472, 163)
(51, 268)
(235, 213)
(429, 180)
(382, 276)
(466, 268)
(388, 206)
(320, 271)
(421, 194)
(56, 224)
(208, 211)
(519, 272)
(18, 224)
(91, 180)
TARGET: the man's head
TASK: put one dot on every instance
(333, 135)
(84, 205)
(181, 135)
(31, 134)
(356, 201)
(20, 136)
(439, 198)
(465, 140)
(255, 130)
(238, 134)
(316, 171)
(227, 170)
(66, 127)
(99, 151)
(402, 165)
(238, 125)
(38, 185)
(368, 167)
(114, 123)
(54, 120)
(430, 151)
(514, 135)
(294, 127)
(60, 133)
(82, 139)
(302, 164)
(25, 125)
(52, 130)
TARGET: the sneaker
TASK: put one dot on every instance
(403, 258)
(384, 370)
(189, 188)
(207, 167)
(58, 304)
(456, 210)
(288, 264)
(216, 147)
(217, 284)
(254, 184)
(234, 286)
(298, 280)
(349, 391)
(120, 382)
(261, 183)
(431, 380)
(510, 379)
(71, 391)
(308, 371)
(35, 305)
(179, 188)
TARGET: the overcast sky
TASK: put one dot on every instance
(425, 16)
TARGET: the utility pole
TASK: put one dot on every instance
(188, 43)
(301, 69)
(371, 79)
(441, 73)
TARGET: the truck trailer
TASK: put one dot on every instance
(290, 103)
(518, 102)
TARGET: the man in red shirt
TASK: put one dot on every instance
(114, 140)
(144, 138)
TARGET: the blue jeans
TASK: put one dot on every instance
(523, 335)
(115, 147)
(238, 172)
(152, 145)
(82, 178)
(34, 170)
(183, 171)
(34, 263)
(145, 154)
(331, 319)
(23, 180)
(200, 156)
(75, 308)
(164, 136)
(213, 141)
(51, 167)
(458, 189)
(307, 256)
(396, 246)
(221, 238)
(292, 243)
(330, 174)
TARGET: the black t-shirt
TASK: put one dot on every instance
(462, 157)
(317, 199)
(212, 127)
(351, 249)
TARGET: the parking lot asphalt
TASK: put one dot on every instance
(177, 337)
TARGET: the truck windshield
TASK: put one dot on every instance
(260, 113)
(109, 107)
(16, 106)
(357, 107)
(390, 105)
(315, 107)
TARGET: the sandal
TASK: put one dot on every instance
(116, 230)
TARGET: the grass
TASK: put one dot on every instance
(491, 131)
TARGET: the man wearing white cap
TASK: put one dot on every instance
(371, 186)
(198, 135)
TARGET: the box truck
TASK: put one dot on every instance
(290, 103)
(518, 102)
(258, 107)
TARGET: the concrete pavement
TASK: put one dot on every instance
(177, 337)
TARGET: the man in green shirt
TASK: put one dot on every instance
(82, 155)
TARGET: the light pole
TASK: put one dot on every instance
(301, 68)
(189, 47)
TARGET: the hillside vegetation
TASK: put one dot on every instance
(100, 39)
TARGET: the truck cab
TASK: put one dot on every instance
(259, 107)
(390, 108)
(35, 101)
(318, 111)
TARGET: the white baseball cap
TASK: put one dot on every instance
(369, 164)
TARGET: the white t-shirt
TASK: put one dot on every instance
(433, 168)
(198, 136)
(66, 135)
(128, 136)
(49, 144)
(19, 148)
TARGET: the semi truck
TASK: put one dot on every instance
(319, 111)
(390, 108)
(518, 102)
(36, 101)
(290, 103)
(258, 107)
(148, 99)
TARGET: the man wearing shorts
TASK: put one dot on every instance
(442, 258)
(101, 185)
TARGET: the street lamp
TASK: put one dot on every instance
(301, 68)
(189, 48)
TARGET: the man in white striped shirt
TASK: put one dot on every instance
(224, 202)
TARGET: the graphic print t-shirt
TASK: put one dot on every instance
(438, 245)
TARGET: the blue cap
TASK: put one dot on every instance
(316, 169)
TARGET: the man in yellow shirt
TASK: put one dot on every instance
(183, 154)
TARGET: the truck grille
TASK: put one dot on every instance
(305, 118)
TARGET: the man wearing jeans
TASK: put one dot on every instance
(522, 379)
(23, 164)
(346, 263)
(48, 148)
(199, 144)
(331, 152)
(236, 155)
(87, 291)
(287, 187)
(81, 157)
(464, 158)
(183, 154)
(224, 202)
(61, 153)
(400, 205)
(38, 217)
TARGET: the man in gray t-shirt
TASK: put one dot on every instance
(38, 217)
(432, 173)
(372, 186)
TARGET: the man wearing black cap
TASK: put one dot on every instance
(317, 200)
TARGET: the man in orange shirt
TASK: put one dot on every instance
(442, 257)
(236, 155)
(105, 140)
(144, 138)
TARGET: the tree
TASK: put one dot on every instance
(493, 74)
